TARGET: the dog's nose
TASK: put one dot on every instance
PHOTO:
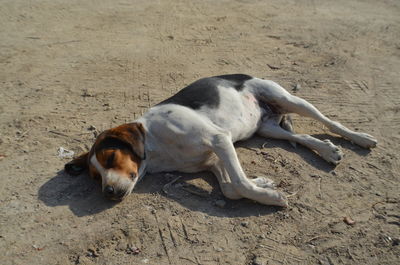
(109, 191)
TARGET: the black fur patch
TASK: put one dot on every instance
(112, 143)
(235, 80)
(110, 161)
(204, 92)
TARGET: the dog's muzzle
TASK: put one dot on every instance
(113, 194)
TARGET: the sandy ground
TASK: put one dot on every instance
(70, 69)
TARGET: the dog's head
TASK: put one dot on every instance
(117, 158)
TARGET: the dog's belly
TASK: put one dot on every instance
(239, 113)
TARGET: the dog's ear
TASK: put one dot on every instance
(78, 165)
(132, 134)
(139, 148)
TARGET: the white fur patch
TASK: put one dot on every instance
(97, 165)
(112, 178)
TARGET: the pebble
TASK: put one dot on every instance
(348, 221)
(244, 224)
(258, 261)
(92, 252)
(220, 203)
(132, 250)
(121, 246)
(87, 94)
(219, 249)
(297, 87)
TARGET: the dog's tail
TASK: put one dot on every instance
(287, 124)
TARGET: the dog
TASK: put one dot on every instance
(194, 130)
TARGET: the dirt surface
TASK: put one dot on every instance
(70, 69)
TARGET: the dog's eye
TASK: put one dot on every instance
(110, 160)
(132, 175)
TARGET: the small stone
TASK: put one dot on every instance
(83, 260)
(258, 261)
(219, 249)
(86, 93)
(37, 248)
(121, 246)
(92, 128)
(244, 224)
(296, 87)
(220, 203)
(333, 172)
(169, 176)
(348, 221)
(132, 250)
(92, 252)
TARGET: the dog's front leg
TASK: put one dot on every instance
(223, 147)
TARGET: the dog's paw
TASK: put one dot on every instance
(263, 182)
(330, 152)
(282, 200)
(364, 140)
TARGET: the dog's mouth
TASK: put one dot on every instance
(115, 193)
(117, 188)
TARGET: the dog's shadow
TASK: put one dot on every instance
(306, 154)
(83, 194)
(200, 192)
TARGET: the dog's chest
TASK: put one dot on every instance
(178, 156)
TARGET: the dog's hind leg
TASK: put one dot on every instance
(287, 124)
(270, 128)
(221, 144)
(273, 94)
(304, 108)
(224, 181)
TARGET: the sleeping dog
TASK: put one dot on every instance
(195, 129)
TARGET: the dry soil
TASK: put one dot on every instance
(70, 69)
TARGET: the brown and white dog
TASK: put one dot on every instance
(194, 131)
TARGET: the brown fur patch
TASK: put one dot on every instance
(120, 148)
(120, 160)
